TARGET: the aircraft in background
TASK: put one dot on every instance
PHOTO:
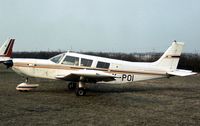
(6, 50)
(79, 69)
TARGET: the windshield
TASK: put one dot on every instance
(57, 59)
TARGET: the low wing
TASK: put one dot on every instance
(181, 73)
(87, 75)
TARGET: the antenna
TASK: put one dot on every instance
(71, 48)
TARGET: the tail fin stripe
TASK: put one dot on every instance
(172, 56)
(8, 47)
(8, 51)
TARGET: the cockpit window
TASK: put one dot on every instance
(86, 62)
(70, 60)
(57, 59)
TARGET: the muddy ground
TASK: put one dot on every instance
(174, 101)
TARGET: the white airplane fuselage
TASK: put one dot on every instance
(123, 70)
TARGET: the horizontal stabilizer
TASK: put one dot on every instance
(3, 59)
(181, 73)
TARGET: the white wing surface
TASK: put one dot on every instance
(87, 75)
(181, 73)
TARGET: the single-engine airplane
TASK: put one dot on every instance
(79, 69)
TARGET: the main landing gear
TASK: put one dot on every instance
(79, 88)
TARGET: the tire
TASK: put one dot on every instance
(80, 92)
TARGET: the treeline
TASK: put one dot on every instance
(187, 61)
(37, 55)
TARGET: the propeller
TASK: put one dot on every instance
(8, 63)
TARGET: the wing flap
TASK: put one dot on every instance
(181, 73)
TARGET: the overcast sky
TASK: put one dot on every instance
(100, 25)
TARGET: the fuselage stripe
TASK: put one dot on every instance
(79, 68)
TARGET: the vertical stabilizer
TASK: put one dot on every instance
(169, 60)
(6, 48)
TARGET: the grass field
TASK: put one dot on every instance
(174, 101)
